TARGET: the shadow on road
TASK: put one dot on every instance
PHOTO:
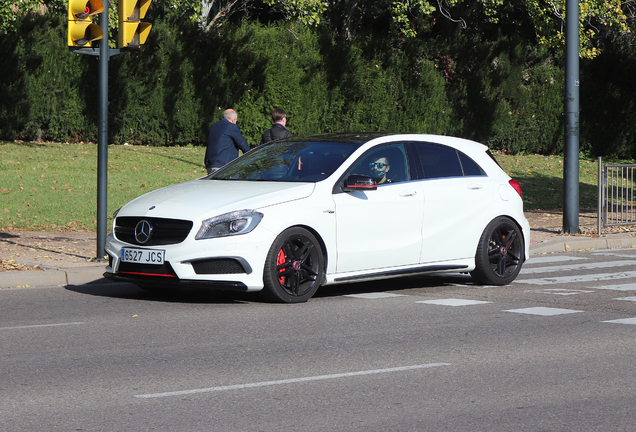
(132, 292)
(201, 296)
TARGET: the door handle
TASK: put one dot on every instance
(408, 193)
(475, 186)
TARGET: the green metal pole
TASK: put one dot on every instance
(571, 153)
(102, 137)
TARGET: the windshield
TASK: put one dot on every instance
(297, 161)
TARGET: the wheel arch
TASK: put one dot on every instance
(321, 241)
(494, 265)
(526, 241)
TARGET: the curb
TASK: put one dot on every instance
(581, 243)
(53, 277)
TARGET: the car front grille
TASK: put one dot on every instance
(218, 266)
(164, 231)
(145, 270)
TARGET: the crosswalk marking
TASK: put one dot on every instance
(577, 278)
(560, 291)
(543, 311)
(623, 254)
(375, 295)
(631, 321)
(453, 302)
(620, 287)
(555, 258)
(576, 267)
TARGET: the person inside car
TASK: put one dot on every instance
(379, 168)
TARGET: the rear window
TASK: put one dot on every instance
(493, 158)
(469, 166)
(439, 161)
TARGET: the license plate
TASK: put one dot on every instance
(142, 256)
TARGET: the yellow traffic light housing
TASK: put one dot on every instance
(132, 32)
(81, 30)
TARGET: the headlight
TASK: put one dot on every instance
(229, 224)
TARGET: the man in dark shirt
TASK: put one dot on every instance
(224, 141)
(278, 130)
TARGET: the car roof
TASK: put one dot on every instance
(342, 137)
(361, 138)
(473, 148)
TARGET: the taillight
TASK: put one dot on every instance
(516, 186)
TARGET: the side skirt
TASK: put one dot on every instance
(401, 272)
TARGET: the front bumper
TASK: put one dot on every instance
(161, 282)
(226, 263)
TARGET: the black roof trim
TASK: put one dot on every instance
(346, 137)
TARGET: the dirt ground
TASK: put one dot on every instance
(29, 250)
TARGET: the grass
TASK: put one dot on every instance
(541, 179)
(53, 186)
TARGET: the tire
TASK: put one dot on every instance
(294, 268)
(499, 254)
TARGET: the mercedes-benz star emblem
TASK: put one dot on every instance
(143, 231)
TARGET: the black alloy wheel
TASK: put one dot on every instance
(500, 253)
(294, 268)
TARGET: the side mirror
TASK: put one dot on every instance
(358, 182)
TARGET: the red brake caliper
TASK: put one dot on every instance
(502, 250)
(280, 260)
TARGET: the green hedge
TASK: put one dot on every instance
(45, 90)
(507, 94)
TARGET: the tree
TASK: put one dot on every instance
(10, 11)
(216, 11)
(345, 17)
(547, 18)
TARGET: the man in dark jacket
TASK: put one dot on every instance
(224, 141)
(278, 131)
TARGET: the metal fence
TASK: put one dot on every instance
(616, 194)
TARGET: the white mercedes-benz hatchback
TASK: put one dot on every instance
(295, 214)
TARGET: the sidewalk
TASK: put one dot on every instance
(53, 277)
(33, 259)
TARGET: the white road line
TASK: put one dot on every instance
(624, 253)
(290, 381)
(374, 295)
(620, 287)
(626, 299)
(631, 321)
(453, 302)
(40, 325)
(557, 258)
(576, 279)
(575, 267)
(543, 311)
(559, 291)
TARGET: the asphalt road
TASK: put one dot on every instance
(552, 352)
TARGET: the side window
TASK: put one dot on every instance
(438, 161)
(469, 166)
(387, 164)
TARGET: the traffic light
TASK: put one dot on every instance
(81, 30)
(132, 32)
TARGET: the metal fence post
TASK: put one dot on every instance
(599, 207)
